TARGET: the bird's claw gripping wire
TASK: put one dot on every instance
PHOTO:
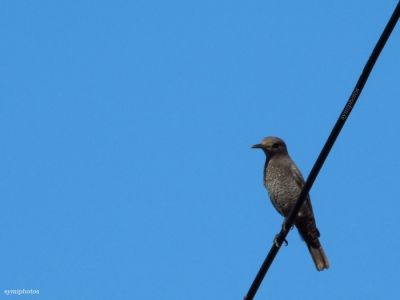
(276, 241)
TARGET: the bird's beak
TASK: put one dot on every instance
(257, 146)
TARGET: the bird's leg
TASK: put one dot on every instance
(284, 229)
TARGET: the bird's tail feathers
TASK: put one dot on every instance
(319, 257)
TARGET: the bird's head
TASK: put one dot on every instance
(271, 146)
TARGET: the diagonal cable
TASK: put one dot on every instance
(288, 223)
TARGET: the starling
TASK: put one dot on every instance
(284, 183)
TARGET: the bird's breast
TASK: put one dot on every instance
(281, 186)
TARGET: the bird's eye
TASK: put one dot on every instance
(275, 146)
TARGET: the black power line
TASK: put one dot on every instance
(288, 223)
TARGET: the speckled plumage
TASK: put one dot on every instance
(284, 183)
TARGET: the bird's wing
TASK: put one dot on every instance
(297, 175)
(298, 178)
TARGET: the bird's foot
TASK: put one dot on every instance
(276, 241)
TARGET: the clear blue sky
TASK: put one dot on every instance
(125, 163)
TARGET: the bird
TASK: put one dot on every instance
(284, 183)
